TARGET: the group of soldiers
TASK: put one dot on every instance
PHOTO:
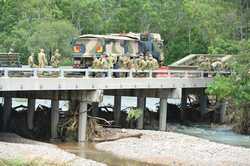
(42, 60)
(147, 62)
(214, 64)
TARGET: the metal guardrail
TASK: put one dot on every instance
(106, 73)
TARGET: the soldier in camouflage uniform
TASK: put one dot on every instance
(141, 63)
(96, 63)
(110, 61)
(152, 63)
(31, 62)
(55, 59)
(42, 59)
(205, 64)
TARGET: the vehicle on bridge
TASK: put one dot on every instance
(87, 47)
(10, 60)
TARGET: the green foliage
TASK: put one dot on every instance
(187, 26)
(221, 87)
(134, 114)
(52, 35)
(235, 87)
(66, 62)
(221, 46)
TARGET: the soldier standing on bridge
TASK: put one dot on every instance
(31, 62)
(141, 63)
(42, 58)
(152, 63)
(55, 59)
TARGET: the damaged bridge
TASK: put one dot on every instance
(87, 86)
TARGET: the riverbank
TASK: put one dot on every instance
(170, 148)
(15, 148)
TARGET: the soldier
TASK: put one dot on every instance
(217, 66)
(147, 62)
(121, 62)
(141, 63)
(96, 63)
(153, 63)
(55, 59)
(31, 62)
(110, 61)
(127, 62)
(205, 65)
(42, 58)
(104, 62)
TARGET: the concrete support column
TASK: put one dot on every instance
(117, 109)
(30, 113)
(54, 118)
(6, 112)
(223, 108)
(163, 114)
(141, 103)
(95, 108)
(203, 102)
(82, 128)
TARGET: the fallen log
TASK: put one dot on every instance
(117, 138)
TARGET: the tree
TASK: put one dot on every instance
(236, 87)
(52, 35)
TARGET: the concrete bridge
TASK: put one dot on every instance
(85, 86)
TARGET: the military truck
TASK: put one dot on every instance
(87, 47)
(9, 60)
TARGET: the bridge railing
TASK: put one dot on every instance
(107, 73)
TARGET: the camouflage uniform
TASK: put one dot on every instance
(42, 59)
(55, 59)
(153, 63)
(127, 63)
(96, 64)
(104, 63)
(205, 64)
(216, 66)
(141, 63)
(31, 62)
(110, 61)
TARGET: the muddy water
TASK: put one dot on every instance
(88, 151)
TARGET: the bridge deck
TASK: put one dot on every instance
(23, 79)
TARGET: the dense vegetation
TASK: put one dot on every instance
(187, 26)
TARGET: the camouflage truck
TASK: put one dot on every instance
(9, 60)
(87, 47)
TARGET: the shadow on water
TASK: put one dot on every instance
(88, 151)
